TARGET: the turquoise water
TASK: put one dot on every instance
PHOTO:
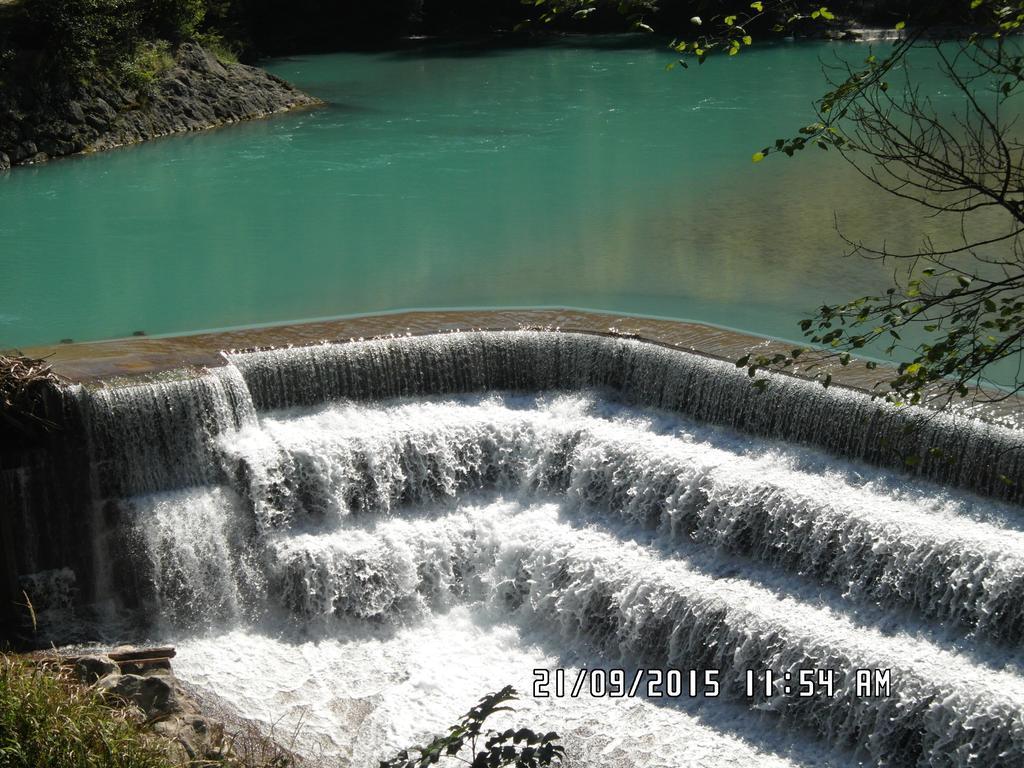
(583, 176)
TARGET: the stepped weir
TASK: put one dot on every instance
(625, 502)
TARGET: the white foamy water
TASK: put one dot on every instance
(946, 555)
(405, 579)
(358, 699)
(358, 569)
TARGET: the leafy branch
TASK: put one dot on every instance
(522, 748)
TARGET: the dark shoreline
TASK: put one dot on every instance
(200, 92)
(197, 93)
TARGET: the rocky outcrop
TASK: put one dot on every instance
(177, 717)
(174, 718)
(198, 92)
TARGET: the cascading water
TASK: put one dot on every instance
(951, 450)
(364, 538)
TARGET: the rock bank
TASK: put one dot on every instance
(191, 729)
(196, 93)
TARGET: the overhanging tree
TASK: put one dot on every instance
(962, 300)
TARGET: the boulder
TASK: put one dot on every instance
(103, 110)
(89, 669)
(22, 151)
(75, 112)
(194, 738)
(146, 666)
(192, 57)
(174, 86)
(155, 695)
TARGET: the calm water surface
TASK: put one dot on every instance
(580, 176)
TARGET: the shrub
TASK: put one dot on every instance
(467, 742)
(148, 61)
(80, 35)
(173, 20)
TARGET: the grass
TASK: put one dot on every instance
(219, 47)
(47, 720)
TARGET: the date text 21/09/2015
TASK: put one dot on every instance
(707, 683)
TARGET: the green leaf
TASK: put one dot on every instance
(900, 25)
(759, 6)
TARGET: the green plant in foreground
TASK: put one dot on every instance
(520, 748)
(47, 720)
(149, 61)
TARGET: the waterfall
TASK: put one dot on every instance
(948, 449)
(158, 436)
(624, 503)
(638, 606)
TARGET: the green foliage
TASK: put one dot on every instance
(521, 748)
(966, 298)
(79, 34)
(82, 36)
(147, 62)
(173, 20)
(48, 721)
(226, 52)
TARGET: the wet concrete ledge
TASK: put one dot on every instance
(146, 358)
